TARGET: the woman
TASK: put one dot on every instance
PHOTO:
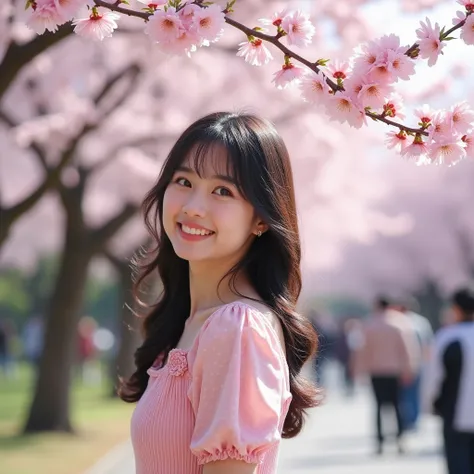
(218, 375)
(449, 384)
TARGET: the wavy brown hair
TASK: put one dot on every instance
(258, 160)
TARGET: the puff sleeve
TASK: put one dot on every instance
(240, 387)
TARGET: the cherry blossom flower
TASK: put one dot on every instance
(461, 117)
(441, 128)
(468, 4)
(164, 26)
(287, 75)
(446, 152)
(100, 24)
(400, 65)
(255, 52)
(430, 44)
(185, 44)
(425, 114)
(372, 94)
(365, 58)
(314, 88)
(396, 140)
(467, 31)
(393, 106)
(417, 149)
(299, 29)
(187, 15)
(208, 23)
(353, 85)
(342, 108)
(68, 8)
(277, 18)
(339, 69)
(45, 17)
(154, 4)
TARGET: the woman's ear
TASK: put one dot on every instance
(260, 228)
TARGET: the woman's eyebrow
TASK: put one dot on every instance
(222, 177)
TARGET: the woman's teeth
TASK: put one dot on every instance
(193, 231)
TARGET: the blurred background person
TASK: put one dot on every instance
(349, 340)
(423, 332)
(449, 384)
(33, 340)
(86, 349)
(387, 357)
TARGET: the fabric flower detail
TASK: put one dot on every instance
(177, 362)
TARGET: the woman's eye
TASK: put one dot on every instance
(221, 191)
(183, 182)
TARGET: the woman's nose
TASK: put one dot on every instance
(195, 205)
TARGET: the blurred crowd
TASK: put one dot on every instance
(410, 369)
(27, 346)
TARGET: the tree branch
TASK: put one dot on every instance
(17, 56)
(100, 235)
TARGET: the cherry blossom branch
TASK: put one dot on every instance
(288, 52)
(412, 52)
(125, 11)
(400, 126)
(350, 94)
(248, 31)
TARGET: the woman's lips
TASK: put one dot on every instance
(186, 235)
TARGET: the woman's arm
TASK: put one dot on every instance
(229, 466)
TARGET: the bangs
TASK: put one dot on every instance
(234, 148)
(212, 158)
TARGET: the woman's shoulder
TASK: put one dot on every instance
(239, 315)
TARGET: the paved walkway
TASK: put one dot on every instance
(336, 440)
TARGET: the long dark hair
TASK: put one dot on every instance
(258, 160)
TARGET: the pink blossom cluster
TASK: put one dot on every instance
(183, 30)
(292, 25)
(365, 84)
(450, 136)
(49, 14)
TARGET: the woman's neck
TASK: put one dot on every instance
(209, 287)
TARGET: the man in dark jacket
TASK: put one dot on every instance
(449, 384)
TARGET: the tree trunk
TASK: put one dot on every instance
(128, 332)
(50, 410)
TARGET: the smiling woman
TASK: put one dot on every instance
(218, 376)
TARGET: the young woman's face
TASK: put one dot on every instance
(206, 218)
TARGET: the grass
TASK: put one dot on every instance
(100, 423)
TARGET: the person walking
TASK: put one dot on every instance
(423, 332)
(448, 388)
(218, 378)
(387, 356)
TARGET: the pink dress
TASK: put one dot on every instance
(225, 398)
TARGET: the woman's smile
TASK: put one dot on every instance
(193, 232)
